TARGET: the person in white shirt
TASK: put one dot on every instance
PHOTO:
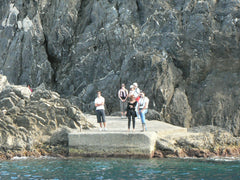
(131, 91)
(143, 109)
(137, 90)
(123, 95)
(137, 96)
(100, 110)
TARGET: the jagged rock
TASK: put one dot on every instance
(3, 82)
(14, 110)
(221, 136)
(6, 103)
(152, 115)
(28, 120)
(22, 92)
(60, 136)
(204, 141)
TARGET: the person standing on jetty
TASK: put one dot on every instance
(137, 91)
(130, 112)
(143, 109)
(100, 111)
(131, 91)
(123, 95)
(137, 96)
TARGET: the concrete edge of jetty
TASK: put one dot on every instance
(117, 141)
(112, 144)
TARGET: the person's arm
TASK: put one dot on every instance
(146, 104)
(126, 95)
(135, 104)
(119, 95)
(103, 101)
(96, 104)
(100, 104)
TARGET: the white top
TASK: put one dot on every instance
(143, 102)
(134, 93)
(99, 100)
(137, 90)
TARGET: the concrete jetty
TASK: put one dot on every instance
(117, 141)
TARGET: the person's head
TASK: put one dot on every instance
(135, 85)
(142, 94)
(98, 93)
(131, 87)
(132, 98)
(123, 85)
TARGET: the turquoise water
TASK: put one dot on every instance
(97, 168)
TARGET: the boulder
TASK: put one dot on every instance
(6, 103)
(153, 115)
(60, 136)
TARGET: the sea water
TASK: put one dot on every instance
(118, 168)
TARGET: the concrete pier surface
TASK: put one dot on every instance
(117, 141)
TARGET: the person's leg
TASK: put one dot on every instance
(98, 113)
(124, 108)
(142, 119)
(142, 115)
(121, 108)
(129, 122)
(104, 125)
(133, 120)
(103, 119)
(136, 109)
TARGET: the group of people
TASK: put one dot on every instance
(132, 104)
(136, 106)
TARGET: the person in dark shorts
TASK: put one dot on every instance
(100, 111)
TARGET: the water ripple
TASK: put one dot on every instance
(97, 168)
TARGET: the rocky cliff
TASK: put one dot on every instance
(31, 123)
(38, 123)
(183, 53)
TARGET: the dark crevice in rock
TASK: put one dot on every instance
(95, 48)
(54, 64)
(117, 8)
(109, 49)
(21, 65)
(84, 15)
(183, 67)
(140, 12)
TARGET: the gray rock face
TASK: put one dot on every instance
(183, 53)
(31, 119)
